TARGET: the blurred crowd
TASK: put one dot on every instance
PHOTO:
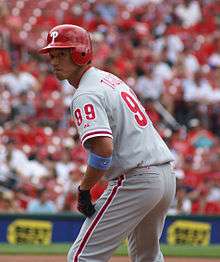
(168, 51)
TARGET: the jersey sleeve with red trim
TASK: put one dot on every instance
(90, 116)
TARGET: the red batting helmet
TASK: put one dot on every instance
(70, 36)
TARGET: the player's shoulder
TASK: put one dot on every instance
(100, 83)
(89, 83)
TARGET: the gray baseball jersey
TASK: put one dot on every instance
(135, 204)
(104, 105)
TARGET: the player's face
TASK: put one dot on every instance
(62, 63)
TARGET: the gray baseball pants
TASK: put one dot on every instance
(134, 207)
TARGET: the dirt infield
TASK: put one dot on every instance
(19, 258)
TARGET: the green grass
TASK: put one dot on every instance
(34, 249)
(212, 251)
(191, 251)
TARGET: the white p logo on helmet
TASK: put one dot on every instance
(53, 34)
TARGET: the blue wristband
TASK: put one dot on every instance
(99, 162)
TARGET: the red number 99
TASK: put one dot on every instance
(88, 112)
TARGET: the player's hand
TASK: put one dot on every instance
(85, 205)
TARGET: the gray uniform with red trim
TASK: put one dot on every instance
(141, 181)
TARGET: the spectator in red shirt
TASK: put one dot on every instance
(5, 61)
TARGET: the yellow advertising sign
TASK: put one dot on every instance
(189, 233)
(29, 231)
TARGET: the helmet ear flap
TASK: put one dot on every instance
(80, 56)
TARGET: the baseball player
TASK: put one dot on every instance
(123, 146)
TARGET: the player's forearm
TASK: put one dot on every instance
(99, 161)
(97, 167)
(91, 177)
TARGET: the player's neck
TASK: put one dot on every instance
(77, 75)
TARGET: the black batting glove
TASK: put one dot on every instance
(85, 205)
